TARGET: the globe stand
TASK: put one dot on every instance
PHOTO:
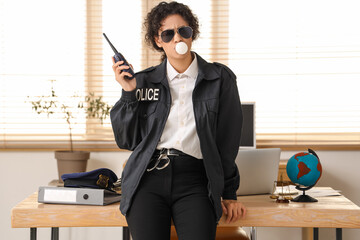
(304, 197)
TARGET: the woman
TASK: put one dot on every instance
(182, 120)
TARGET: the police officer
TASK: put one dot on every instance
(182, 119)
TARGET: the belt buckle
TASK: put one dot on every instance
(170, 154)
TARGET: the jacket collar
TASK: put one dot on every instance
(206, 71)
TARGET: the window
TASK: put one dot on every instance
(60, 44)
(39, 42)
(298, 60)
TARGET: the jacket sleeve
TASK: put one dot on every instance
(229, 132)
(125, 121)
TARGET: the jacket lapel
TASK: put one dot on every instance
(206, 71)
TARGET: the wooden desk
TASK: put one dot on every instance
(330, 212)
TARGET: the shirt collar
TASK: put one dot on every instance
(192, 71)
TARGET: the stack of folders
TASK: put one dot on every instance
(82, 196)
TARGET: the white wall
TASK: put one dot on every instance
(23, 172)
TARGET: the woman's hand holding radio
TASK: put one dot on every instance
(120, 76)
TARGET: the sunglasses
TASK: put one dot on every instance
(168, 35)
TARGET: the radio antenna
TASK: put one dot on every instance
(113, 48)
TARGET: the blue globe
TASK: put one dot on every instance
(304, 168)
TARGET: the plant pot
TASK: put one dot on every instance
(71, 162)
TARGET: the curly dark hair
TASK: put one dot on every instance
(154, 18)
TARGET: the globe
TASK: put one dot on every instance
(304, 170)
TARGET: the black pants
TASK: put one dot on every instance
(179, 193)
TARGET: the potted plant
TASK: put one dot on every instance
(69, 161)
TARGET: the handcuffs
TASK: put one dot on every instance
(163, 156)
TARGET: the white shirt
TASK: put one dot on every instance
(180, 129)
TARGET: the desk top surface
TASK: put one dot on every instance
(329, 212)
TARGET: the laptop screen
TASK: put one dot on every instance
(248, 136)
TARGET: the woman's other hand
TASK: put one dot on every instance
(233, 210)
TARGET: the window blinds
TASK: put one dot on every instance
(40, 42)
(298, 60)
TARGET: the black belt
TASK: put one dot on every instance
(160, 159)
(169, 152)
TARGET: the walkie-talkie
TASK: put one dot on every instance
(119, 57)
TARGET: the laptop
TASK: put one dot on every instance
(258, 170)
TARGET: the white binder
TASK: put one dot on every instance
(82, 196)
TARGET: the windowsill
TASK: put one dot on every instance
(111, 147)
(321, 147)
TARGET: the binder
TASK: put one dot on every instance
(81, 196)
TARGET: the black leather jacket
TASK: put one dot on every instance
(139, 117)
